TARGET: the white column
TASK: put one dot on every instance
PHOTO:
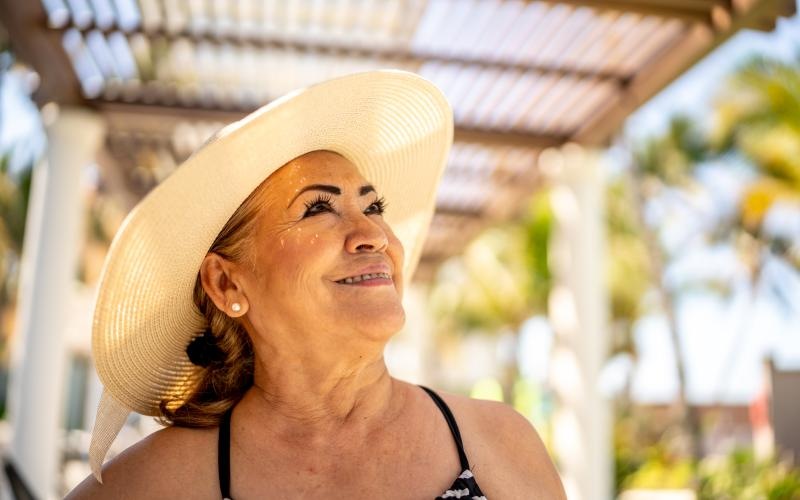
(578, 311)
(53, 238)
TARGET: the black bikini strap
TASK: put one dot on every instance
(451, 422)
(224, 454)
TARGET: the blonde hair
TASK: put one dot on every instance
(221, 386)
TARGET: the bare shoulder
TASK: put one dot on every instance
(508, 456)
(172, 462)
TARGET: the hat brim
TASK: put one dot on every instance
(396, 127)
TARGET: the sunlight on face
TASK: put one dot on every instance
(324, 260)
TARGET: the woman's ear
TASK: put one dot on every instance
(216, 277)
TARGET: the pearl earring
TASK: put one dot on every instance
(236, 307)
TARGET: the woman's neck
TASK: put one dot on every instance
(304, 398)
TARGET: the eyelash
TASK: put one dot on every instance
(326, 199)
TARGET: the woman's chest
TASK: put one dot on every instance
(410, 468)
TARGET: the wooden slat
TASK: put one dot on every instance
(512, 139)
(560, 110)
(698, 11)
(587, 106)
(685, 49)
(398, 57)
(652, 43)
(577, 52)
(32, 42)
(165, 119)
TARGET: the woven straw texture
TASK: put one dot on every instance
(396, 127)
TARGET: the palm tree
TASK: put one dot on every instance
(660, 165)
(757, 121)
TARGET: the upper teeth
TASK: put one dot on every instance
(356, 279)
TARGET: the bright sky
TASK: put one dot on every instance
(19, 121)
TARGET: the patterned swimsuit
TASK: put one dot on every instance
(464, 487)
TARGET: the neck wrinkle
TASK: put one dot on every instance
(302, 400)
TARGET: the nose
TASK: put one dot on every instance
(366, 235)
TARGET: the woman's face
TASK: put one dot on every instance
(322, 257)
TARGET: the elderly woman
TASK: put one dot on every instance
(247, 302)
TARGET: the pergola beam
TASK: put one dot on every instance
(673, 62)
(494, 138)
(161, 120)
(41, 48)
(698, 11)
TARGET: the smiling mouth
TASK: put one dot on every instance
(363, 277)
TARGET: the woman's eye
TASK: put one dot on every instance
(317, 206)
(376, 207)
(323, 204)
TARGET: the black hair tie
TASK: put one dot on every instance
(204, 351)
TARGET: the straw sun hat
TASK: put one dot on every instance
(396, 127)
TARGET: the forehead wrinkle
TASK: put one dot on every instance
(319, 167)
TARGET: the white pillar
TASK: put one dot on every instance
(53, 238)
(578, 311)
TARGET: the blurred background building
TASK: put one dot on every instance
(621, 276)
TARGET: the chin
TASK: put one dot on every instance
(379, 323)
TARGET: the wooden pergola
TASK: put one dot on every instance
(522, 76)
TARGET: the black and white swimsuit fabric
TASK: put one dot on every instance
(464, 487)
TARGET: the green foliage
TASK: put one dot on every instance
(757, 117)
(645, 460)
(741, 476)
(14, 195)
(673, 157)
(628, 264)
(501, 279)
(757, 129)
(484, 288)
(646, 451)
(763, 93)
(736, 476)
(659, 474)
(537, 227)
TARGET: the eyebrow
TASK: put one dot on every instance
(366, 189)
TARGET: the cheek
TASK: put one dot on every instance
(397, 255)
(395, 248)
(299, 256)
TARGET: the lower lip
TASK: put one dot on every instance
(372, 282)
